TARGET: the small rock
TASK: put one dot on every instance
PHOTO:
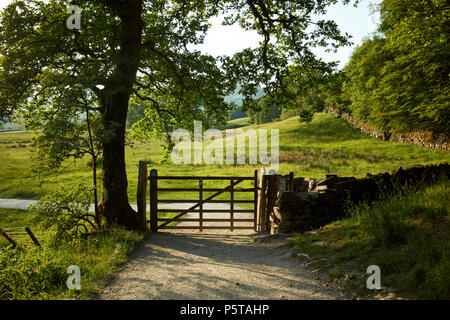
(301, 254)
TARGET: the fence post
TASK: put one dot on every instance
(232, 206)
(3, 233)
(142, 193)
(261, 205)
(255, 200)
(154, 200)
(271, 198)
(200, 214)
(291, 182)
(36, 242)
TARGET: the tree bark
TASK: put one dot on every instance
(115, 206)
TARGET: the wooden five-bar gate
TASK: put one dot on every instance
(157, 223)
(264, 194)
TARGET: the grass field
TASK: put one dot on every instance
(327, 145)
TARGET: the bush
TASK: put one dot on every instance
(66, 212)
(30, 275)
(306, 116)
(42, 273)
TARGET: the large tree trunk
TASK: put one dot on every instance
(114, 206)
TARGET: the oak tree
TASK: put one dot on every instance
(141, 51)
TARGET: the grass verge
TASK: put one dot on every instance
(405, 235)
(27, 272)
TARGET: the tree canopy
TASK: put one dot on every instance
(399, 79)
(139, 51)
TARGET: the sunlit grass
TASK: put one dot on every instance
(327, 145)
(405, 235)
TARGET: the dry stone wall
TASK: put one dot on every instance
(316, 202)
(436, 140)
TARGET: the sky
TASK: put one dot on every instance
(227, 40)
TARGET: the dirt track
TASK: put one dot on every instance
(219, 265)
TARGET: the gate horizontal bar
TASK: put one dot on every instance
(204, 189)
(207, 227)
(208, 210)
(204, 201)
(198, 178)
(205, 220)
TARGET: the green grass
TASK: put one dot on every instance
(327, 145)
(27, 272)
(405, 235)
(237, 123)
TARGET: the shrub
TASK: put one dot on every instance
(66, 211)
(306, 116)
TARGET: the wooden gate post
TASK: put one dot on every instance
(291, 182)
(142, 193)
(154, 200)
(200, 214)
(271, 198)
(262, 201)
(255, 201)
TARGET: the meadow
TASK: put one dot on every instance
(328, 145)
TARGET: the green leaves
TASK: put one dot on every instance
(399, 79)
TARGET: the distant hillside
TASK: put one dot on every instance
(237, 98)
(6, 126)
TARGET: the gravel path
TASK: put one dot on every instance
(215, 265)
(210, 265)
(16, 203)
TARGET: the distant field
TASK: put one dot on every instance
(236, 123)
(327, 145)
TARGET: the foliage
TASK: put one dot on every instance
(306, 116)
(399, 79)
(140, 52)
(135, 113)
(264, 111)
(237, 113)
(66, 211)
(31, 273)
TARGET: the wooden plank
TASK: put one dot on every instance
(207, 227)
(271, 198)
(154, 200)
(3, 233)
(204, 220)
(291, 182)
(231, 205)
(204, 201)
(262, 202)
(33, 238)
(209, 210)
(200, 185)
(204, 178)
(198, 204)
(255, 198)
(141, 195)
(204, 189)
